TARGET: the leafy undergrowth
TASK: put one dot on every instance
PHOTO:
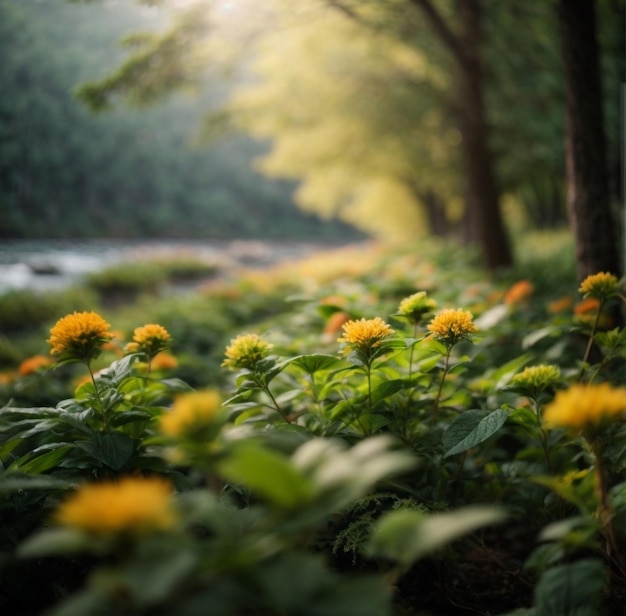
(368, 432)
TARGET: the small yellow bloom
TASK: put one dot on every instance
(518, 292)
(450, 325)
(365, 333)
(415, 307)
(600, 286)
(585, 406)
(130, 505)
(246, 351)
(190, 413)
(80, 335)
(149, 339)
(33, 364)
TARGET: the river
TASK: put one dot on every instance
(56, 264)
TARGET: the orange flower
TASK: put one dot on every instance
(79, 336)
(591, 304)
(33, 364)
(163, 361)
(561, 304)
(335, 322)
(517, 293)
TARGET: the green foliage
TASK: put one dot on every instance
(322, 462)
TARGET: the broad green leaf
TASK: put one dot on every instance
(112, 448)
(267, 473)
(27, 482)
(406, 535)
(471, 428)
(573, 589)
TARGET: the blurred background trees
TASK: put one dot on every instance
(400, 117)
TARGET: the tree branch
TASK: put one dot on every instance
(443, 31)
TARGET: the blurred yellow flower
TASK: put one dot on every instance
(80, 335)
(585, 406)
(130, 505)
(149, 339)
(415, 307)
(365, 333)
(450, 325)
(32, 364)
(518, 292)
(190, 413)
(245, 351)
(600, 286)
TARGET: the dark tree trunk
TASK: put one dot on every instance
(483, 221)
(588, 194)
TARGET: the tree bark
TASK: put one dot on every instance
(588, 193)
(483, 221)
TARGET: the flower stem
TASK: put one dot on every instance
(590, 342)
(443, 378)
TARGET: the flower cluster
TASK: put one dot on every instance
(79, 336)
(246, 351)
(601, 286)
(534, 380)
(191, 413)
(584, 407)
(450, 326)
(415, 307)
(130, 505)
(150, 339)
(365, 333)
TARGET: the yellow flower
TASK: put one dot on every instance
(190, 413)
(130, 505)
(79, 336)
(518, 292)
(149, 339)
(450, 325)
(600, 286)
(533, 380)
(365, 333)
(33, 364)
(416, 306)
(246, 351)
(585, 406)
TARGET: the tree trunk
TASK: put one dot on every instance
(588, 194)
(483, 222)
(483, 207)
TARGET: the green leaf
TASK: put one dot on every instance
(313, 363)
(267, 473)
(54, 542)
(27, 482)
(406, 535)
(470, 429)
(112, 448)
(388, 388)
(571, 590)
(39, 464)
